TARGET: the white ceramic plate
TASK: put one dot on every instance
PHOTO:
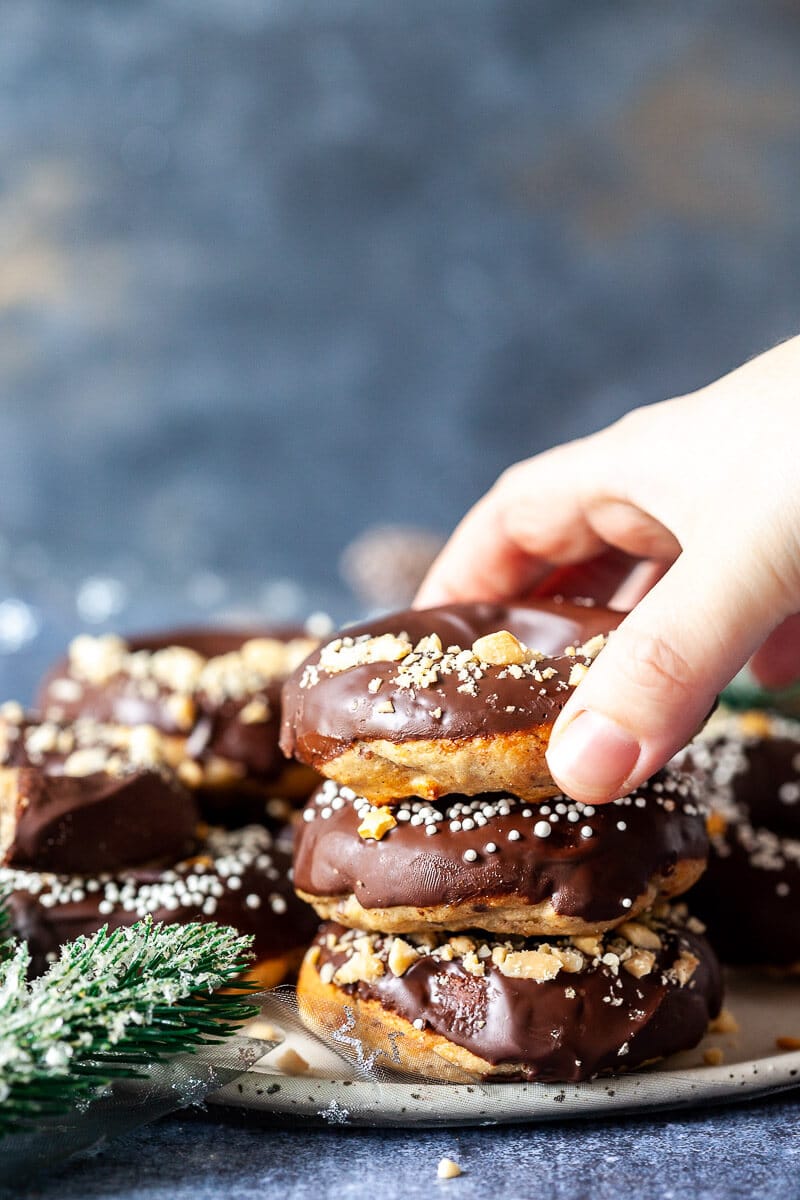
(334, 1092)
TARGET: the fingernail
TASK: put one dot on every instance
(593, 757)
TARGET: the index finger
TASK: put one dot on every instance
(509, 542)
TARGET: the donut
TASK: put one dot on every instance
(559, 1011)
(750, 894)
(214, 693)
(88, 797)
(459, 699)
(239, 878)
(556, 868)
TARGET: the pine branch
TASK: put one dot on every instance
(109, 1005)
(7, 942)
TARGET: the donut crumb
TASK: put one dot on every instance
(713, 1056)
(447, 1169)
(787, 1043)
(291, 1063)
(724, 1023)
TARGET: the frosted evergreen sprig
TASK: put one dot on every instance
(7, 942)
(109, 1005)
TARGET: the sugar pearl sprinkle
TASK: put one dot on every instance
(194, 884)
(720, 753)
(469, 816)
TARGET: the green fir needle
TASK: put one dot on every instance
(108, 1006)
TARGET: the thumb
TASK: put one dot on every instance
(656, 680)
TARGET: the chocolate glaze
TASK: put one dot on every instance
(583, 876)
(94, 822)
(752, 909)
(323, 720)
(100, 822)
(217, 730)
(762, 789)
(279, 922)
(750, 894)
(552, 1036)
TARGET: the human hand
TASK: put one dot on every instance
(702, 493)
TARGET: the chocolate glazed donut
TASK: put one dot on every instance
(443, 700)
(561, 1011)
(88, 797)
(216, 693)
(750, 894)
(238, 878)
(561, 867)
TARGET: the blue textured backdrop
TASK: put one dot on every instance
(272, 271)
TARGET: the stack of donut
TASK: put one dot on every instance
(107, 794)
(476, 921)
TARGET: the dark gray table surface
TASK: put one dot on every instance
(274, 271)
(742, 1152)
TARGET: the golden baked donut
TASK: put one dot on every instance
(85, 797)
(555, 868)
(454, 1006)
(458, 699)
(213, 694)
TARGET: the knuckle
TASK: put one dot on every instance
(513, 478)
(631, 423)
(653, 667)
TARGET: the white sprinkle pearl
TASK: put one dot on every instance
(586, 831)
(514, 835)
(542, 829)
(470, 855)
(621, 826)
(490, 848)
(626, 903)
(253, 901)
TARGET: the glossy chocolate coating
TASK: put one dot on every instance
(217, 730)
(586, 864)
(769, 789)
(322, 720)
(552, 1035)
(751, 909)
(278, 921)
(100, 822)
(90, 822)
(750, 894)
